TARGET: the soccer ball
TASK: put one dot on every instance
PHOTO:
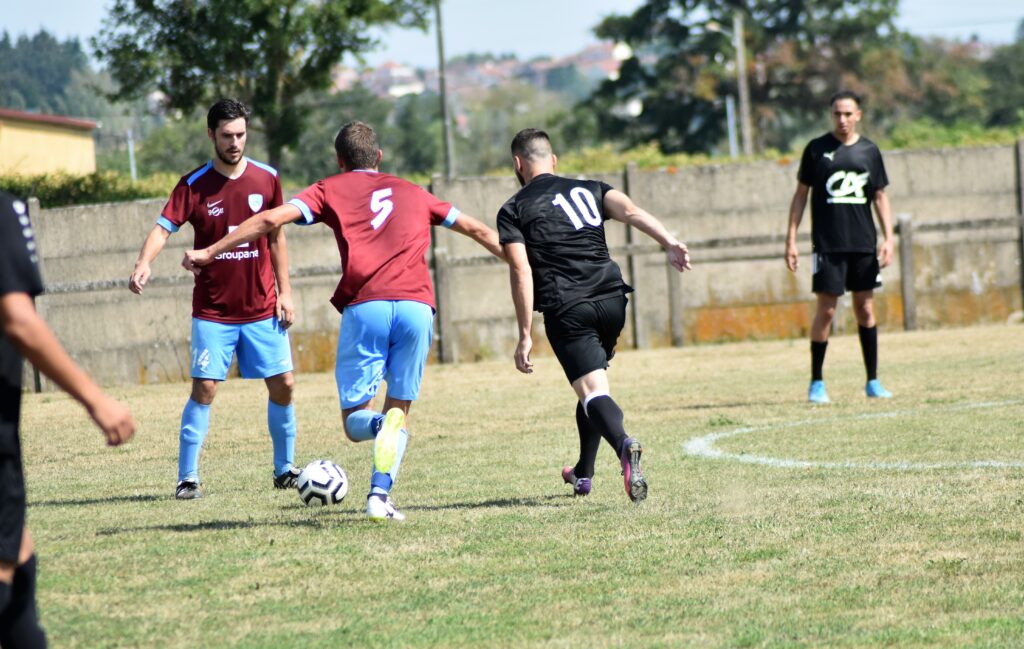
(322, 482)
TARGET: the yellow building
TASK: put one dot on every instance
(35, 144)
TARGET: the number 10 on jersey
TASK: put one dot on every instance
(585, 203)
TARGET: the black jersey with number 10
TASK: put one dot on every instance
(561, 222)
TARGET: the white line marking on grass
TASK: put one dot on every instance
(705, 446)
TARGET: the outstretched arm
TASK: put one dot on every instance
(620, 207)
(521, 277)
(150, 249)
(477, 231)
(251, 229)
(796, 214)
(884, 213)
(33, 337)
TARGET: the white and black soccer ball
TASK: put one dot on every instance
(322, 482)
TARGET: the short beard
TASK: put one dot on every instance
(225, 159)
(519, 177)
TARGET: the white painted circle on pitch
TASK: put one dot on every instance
(705, 446)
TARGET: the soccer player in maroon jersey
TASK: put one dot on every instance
(242, 303)
(382, 226)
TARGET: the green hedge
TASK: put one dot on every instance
(60, 189)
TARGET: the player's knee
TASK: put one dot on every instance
(203, 391)
(281, 388)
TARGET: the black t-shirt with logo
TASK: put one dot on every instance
(561, 222)
(843, 181)
(19, 273)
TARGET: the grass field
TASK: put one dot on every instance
(858, 524)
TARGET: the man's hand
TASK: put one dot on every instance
(285, 310)
(792, 256)
(679, 256)
(885, 252)
(522, 357)
(114, 420)
(195, 259)
(140, 275)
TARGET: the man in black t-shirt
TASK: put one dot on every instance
(845, 176)
(552, 233)
(24, 332)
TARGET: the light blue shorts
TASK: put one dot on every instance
(262, 347)
(382, 340)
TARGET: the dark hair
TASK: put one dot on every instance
(226, 109)
(844, 94)
(356, 146)
(531, 143)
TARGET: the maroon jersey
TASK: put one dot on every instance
(239, 285)
(382, 225)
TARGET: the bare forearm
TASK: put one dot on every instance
(796, 215)
(652, 227)
(884, 212)
(153, 244)
(279, 260)
(522, 298)
(36, 341)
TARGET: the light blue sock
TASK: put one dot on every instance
(195, 423)
(281, 422)
(381, 483)
(364, 424)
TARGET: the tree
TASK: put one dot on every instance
(1005, 75)
(799, 51)
(37, 70)
(267, 53)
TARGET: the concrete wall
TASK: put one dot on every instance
(734, 292)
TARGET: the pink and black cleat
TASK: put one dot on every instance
(580, 486)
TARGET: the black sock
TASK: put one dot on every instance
(869, 346)
(606, 417)
(590, 441)
(5, 595)
(817, 358)
(19, 622)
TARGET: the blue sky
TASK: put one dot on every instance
(500, 26)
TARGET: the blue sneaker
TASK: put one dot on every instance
(874, 390)
(816, 393)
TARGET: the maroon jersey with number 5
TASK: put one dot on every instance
(239, 285)
(382, 226)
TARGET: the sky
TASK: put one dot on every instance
(529, 28)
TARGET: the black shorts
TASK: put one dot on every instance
(583, 336)
(12, 507)
(837, 272)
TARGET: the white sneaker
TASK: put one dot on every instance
(380, 508)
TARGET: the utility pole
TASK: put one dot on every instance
(131, 154)
(746, 126)
(449, 145)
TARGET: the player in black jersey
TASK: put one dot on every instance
(24, 332)
(552, 232)
(845, 176)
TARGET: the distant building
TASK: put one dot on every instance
(35, 144)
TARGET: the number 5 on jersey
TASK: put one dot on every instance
(585, 203)
(381, 207)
